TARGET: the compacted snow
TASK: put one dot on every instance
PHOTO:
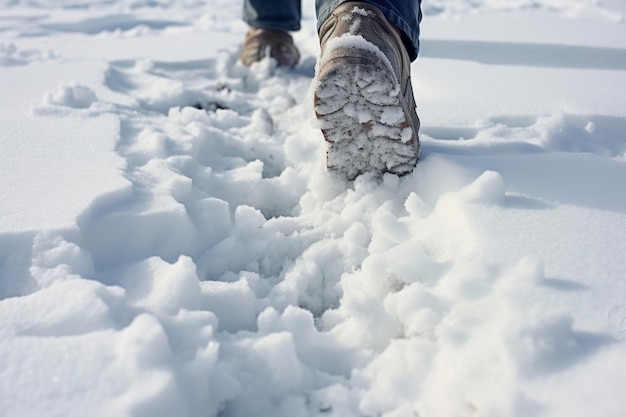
(172, 245)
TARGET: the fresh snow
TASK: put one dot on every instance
(171, 244)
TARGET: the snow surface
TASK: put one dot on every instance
(171, 245)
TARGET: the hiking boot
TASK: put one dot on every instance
(363, 97)
(279, 44)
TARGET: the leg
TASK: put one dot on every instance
(405, 15)
(269, 21)
(363, 96)
(283, 15)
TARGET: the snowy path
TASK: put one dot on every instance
(170, 243)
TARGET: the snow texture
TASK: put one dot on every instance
(172, 245)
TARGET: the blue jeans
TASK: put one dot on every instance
(285, 15)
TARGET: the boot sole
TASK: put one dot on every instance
(359, 105)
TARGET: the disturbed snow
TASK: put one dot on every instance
(171, 244)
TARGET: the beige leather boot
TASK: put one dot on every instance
(279, 44)
(363, 97)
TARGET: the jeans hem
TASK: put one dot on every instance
(410, 38)
(285, 27)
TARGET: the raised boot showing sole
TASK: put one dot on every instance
(363, 96)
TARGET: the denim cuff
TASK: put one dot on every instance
(273, 14)
(405, 15)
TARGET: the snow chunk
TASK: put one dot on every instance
(279, 362)
(56, 259)
(144, 343)
(487, 189)
(10, 55)
(158, 286)
(75, 96)
(219, 297)
(47, 312)
(392, 115)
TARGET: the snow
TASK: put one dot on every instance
(171, 243)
